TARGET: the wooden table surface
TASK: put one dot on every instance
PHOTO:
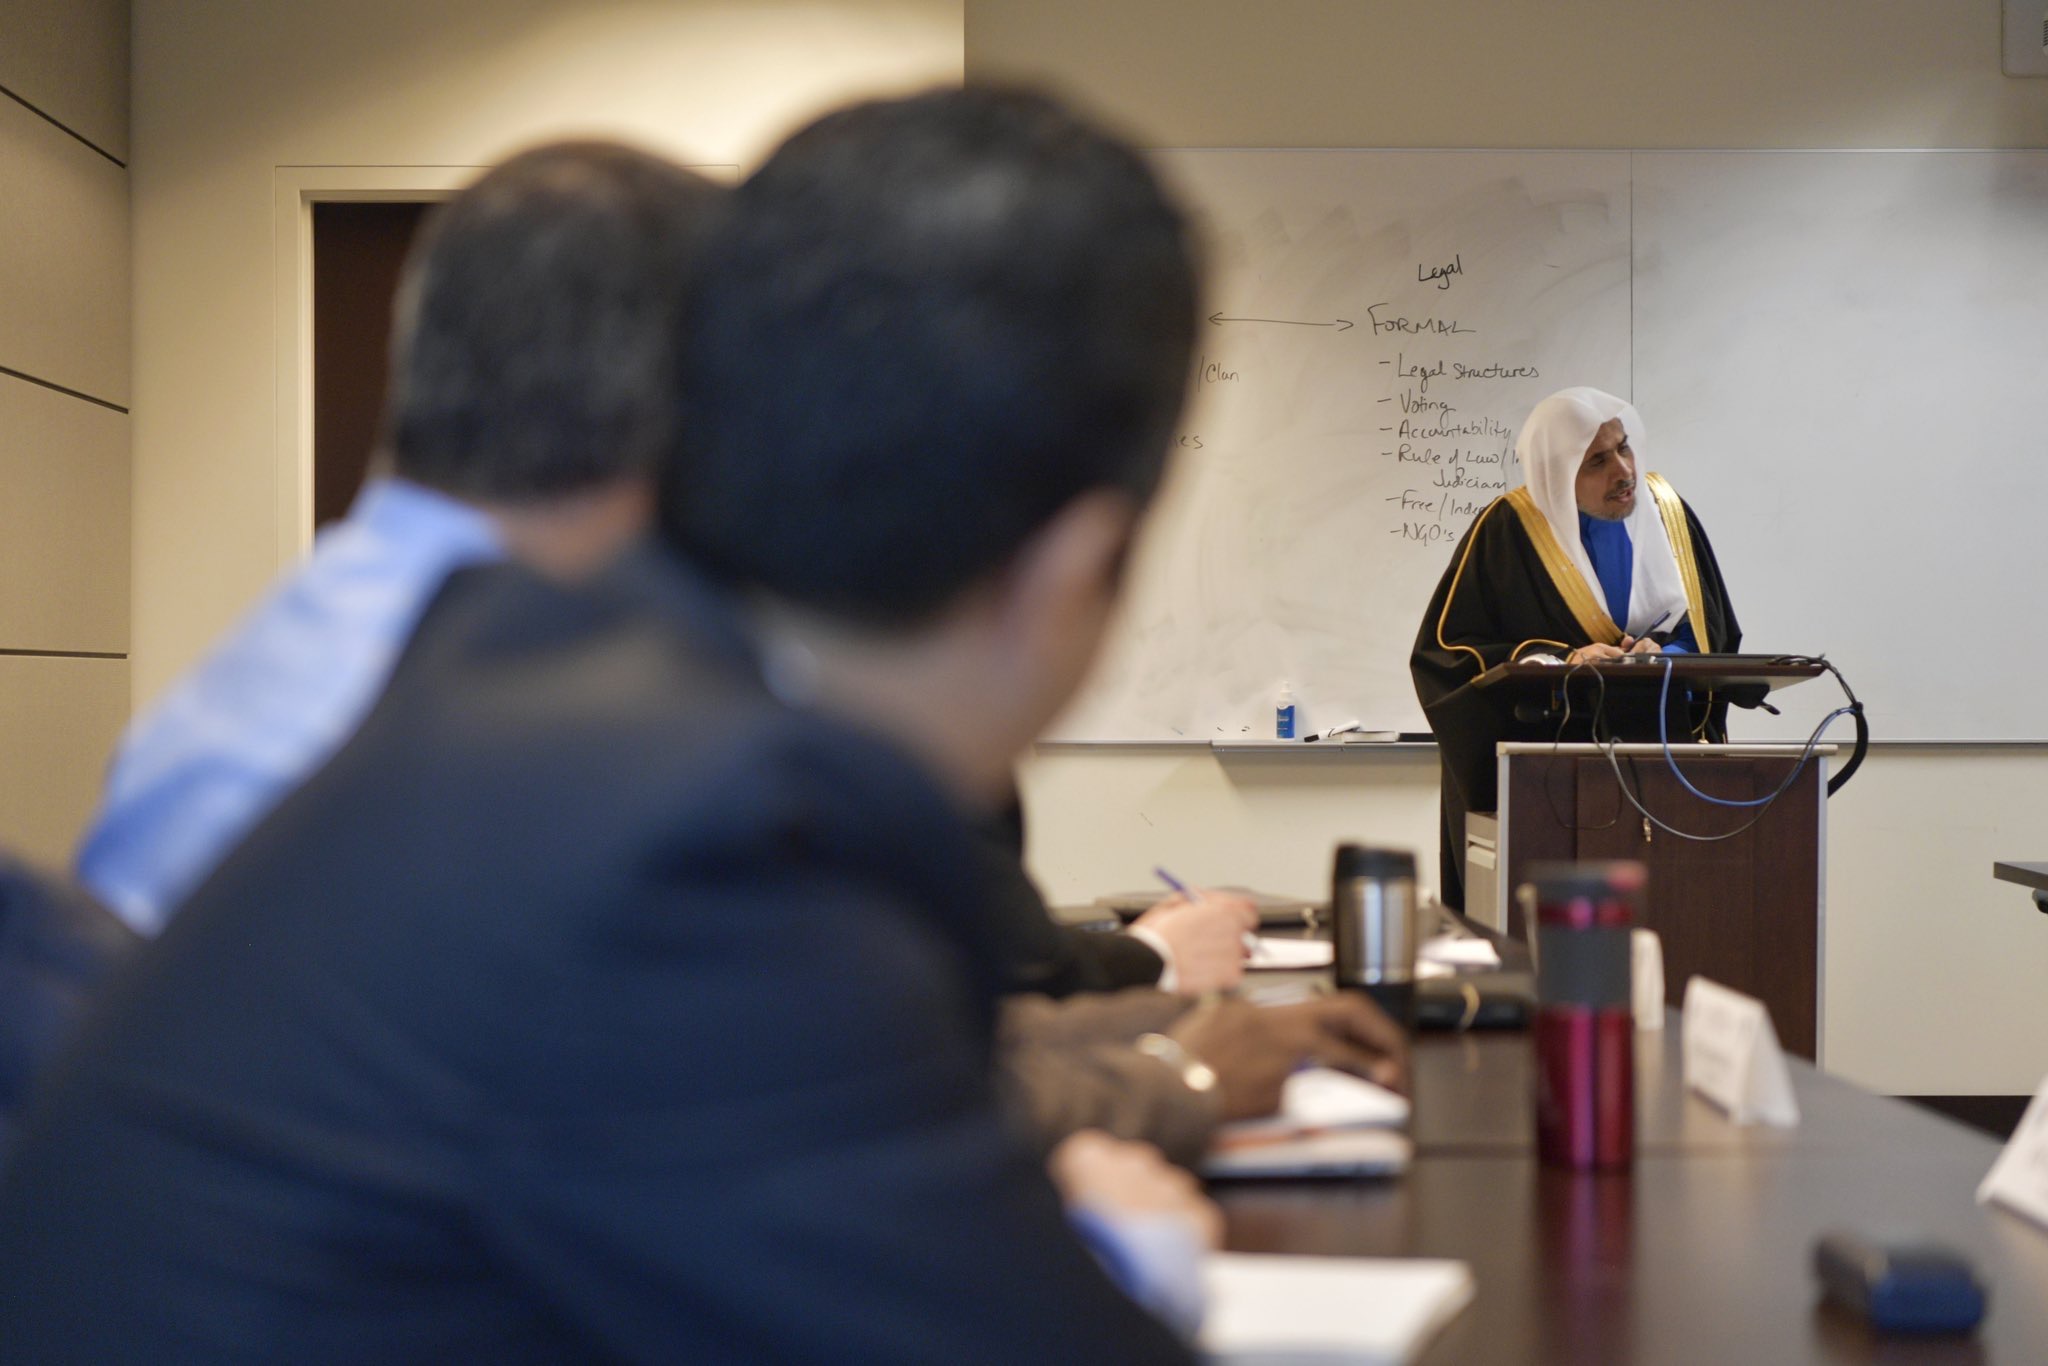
(1702, 1254)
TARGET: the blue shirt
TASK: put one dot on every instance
(275, 699)
(1614, 559)
(1156, 1259)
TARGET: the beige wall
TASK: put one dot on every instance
(1933, 974)
(64, 425)
(1507, 73)
(226, 94)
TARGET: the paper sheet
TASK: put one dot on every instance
(1321, 1153)
(1456, 951)
(1353, 1309)
(1291, 953)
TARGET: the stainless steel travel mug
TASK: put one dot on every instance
(1372, 919)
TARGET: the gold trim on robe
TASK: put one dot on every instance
(1564, 575)
(1673, 513)
(1471, 538)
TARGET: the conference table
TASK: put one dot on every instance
(1703, 1253)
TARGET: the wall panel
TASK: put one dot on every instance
(63, 522)
(69, 58)
(59, 719)
(64, 265)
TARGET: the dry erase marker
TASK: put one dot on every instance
(1333, 731)
(1250, 940)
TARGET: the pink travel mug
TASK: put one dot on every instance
(1585, 1026)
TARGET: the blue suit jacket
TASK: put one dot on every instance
(589, 1004)
(56, 946)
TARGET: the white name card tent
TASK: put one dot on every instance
(2018, 1180)
(1732, 1057)
(1646, 968)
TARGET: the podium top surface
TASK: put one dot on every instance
(1698, 671)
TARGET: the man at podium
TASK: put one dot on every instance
(1587, 561)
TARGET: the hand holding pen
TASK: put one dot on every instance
(1630, 645)
(1204, 935)
(1647, 643)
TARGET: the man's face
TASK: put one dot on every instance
(1607, 476)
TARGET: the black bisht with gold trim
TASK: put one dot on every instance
(1512, 591)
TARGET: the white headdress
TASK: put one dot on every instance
(1552, 446)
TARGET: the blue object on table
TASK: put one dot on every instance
(1907, 1287)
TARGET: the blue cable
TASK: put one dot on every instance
(1671, 760)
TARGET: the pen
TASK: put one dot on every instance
(1250, 940)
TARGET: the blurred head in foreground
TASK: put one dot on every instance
(930, 381)
(532, 351)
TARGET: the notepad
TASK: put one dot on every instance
(1329, 1154)
(1328, 1309)
(1330, 1123)
(1325, 1098)
(1459, 951)
(1273, 954)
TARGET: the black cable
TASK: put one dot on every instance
(1841, 780)
(1549, 778)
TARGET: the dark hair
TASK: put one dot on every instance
(925, 326)
(533, 353)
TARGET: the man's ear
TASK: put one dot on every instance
(1055, 597)
(1075, 558)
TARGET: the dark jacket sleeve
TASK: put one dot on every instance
(1112, 962)
(57, 945)
(1044, 957)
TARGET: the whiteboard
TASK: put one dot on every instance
(1842, 361)
(1838, 357)
(1334, 450)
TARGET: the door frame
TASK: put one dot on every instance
(295, 190)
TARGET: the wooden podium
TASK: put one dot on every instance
(1745, 904)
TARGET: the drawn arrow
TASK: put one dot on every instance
(1341, 324)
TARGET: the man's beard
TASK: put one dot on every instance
(1613, 500)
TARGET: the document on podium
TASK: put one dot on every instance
(1328, 1309)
